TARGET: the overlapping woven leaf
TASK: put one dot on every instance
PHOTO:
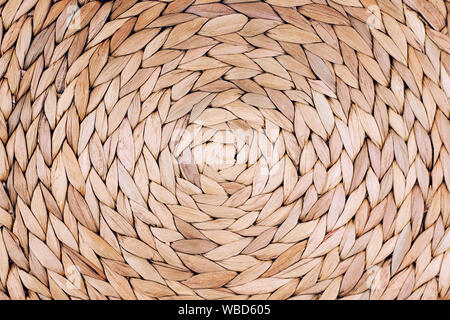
(202, 149)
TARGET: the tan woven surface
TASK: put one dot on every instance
(198, 149)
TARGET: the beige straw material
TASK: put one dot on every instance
(202, 149)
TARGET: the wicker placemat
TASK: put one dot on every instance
(202, 149)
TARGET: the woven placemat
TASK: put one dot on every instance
(202, 149)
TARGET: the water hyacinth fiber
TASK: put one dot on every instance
(236, 149)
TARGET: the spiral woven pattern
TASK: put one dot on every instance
(237, 149)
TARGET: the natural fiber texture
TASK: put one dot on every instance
(279, 149)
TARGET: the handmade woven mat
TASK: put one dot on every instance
(202, 149)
